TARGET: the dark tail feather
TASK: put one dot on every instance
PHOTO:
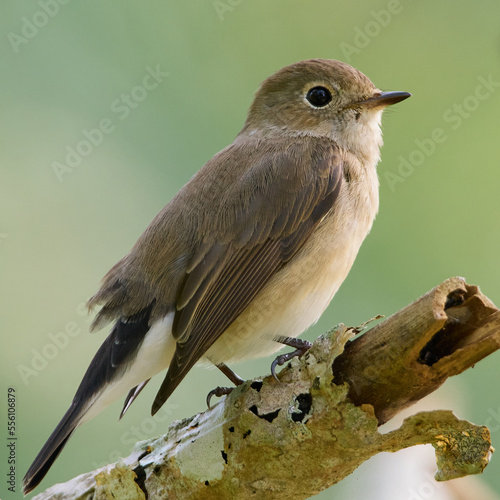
(132, 395)
(108, 364)
(52, 448)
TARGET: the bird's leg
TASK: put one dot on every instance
(301, 346)
(223, 391)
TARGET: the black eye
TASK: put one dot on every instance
(319, 96)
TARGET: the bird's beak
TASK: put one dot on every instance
(382, 99)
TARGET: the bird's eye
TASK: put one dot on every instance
(319, 96)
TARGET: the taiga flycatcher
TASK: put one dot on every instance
(250, 251)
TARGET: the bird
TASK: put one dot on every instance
(249, 253)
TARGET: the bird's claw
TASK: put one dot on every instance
(278, 361)
(218, 392)
(283, 358)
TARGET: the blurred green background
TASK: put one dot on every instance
(66, 67)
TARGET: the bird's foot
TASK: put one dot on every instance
(224, 391)
(301, 346)
(218, 392)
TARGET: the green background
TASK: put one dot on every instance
(58, 238)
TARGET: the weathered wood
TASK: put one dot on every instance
(301, 435)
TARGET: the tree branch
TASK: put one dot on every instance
(300, 436)
(414, 351)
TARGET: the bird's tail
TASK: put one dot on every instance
(127, 358)
(52, 448)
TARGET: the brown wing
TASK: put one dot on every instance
(291, 192)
